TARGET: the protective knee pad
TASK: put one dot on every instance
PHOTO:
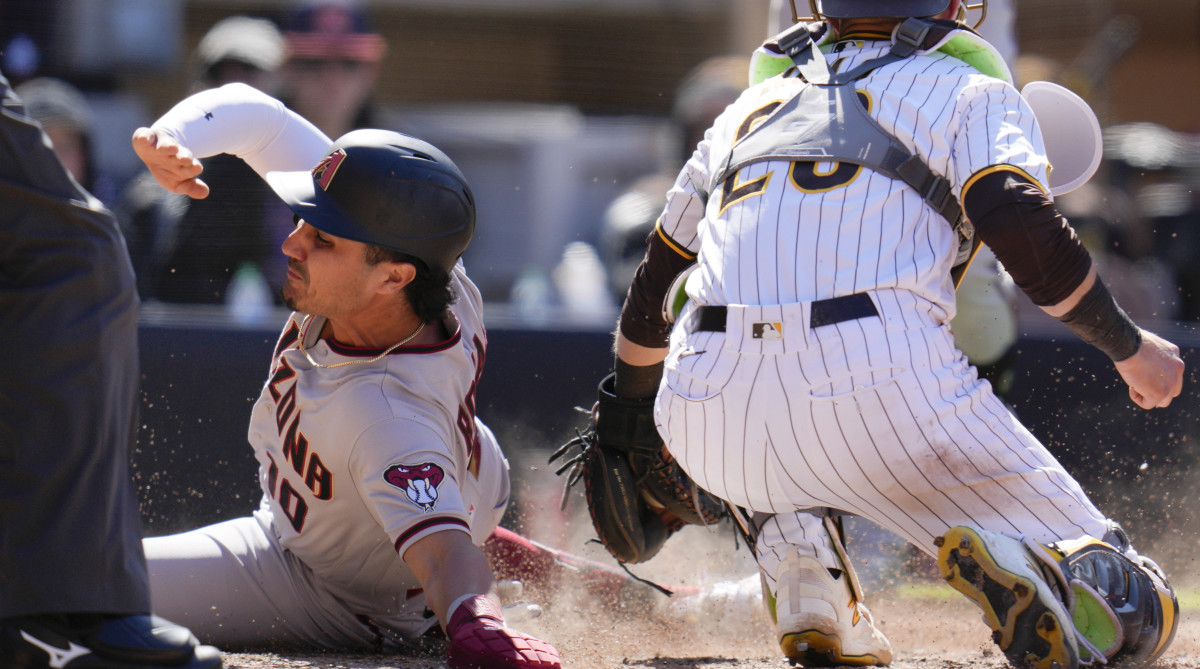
(1121, 603)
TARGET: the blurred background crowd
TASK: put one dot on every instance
(569, 118)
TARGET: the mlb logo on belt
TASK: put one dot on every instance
(767, 330)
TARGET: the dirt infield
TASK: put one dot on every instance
(930, 626)
(926, 634)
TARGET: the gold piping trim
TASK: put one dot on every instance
(671, 243)
(996, 168)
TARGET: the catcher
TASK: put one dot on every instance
(812, 365)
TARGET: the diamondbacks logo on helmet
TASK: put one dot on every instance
(324, 171)
(419, 482)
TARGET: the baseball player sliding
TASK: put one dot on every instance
(826, 215)
(380, 485)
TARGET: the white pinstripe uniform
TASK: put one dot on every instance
(360, 454)
(881, 416)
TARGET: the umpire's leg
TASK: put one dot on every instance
(73, 583)
(70, 533)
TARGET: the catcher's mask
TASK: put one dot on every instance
(386, 189)
(857, 9)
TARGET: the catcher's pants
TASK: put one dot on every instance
(234, 586)
(879, 417)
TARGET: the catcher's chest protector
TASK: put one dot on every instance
(825, 121)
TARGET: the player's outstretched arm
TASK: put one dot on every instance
(1014, 216)
(1154, 373)
(235, 119)
(460, 589)
(172, 165)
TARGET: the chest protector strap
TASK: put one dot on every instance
(825, 121)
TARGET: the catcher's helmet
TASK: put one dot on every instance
(854, 9)
(386, 189)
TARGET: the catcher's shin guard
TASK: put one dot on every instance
(820, 617)
(1122, 606)
(1004, 578)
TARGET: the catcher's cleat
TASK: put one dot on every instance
(88, 641)
(1028, 620)
(820, 620)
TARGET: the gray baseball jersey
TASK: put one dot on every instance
(362, 457)
(361, 452)
(880, 415)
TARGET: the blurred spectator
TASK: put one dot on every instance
(1160, 169)
(703, 94)
(1173, 211)
(1108, 222)
(64, 113)
(224, 249)
(626, 224)
(188, 250)
(239, 48)
(629, 219)
(332, 64)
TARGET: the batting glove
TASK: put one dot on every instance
(479, 640)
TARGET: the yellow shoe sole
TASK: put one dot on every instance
(1028, 622)
(813, 648)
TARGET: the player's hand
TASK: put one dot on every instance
(479, 640)
(173, 166)
(1154, 373)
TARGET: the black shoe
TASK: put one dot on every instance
(88, 641)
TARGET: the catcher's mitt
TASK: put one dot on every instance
(636, 496)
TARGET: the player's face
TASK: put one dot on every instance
(327, 275)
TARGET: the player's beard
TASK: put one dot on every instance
(289, 296)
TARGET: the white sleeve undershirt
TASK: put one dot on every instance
(240, 120)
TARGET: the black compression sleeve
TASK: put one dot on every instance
(1099, 321)
(642, 320)
(1019, 222)
(637, 382)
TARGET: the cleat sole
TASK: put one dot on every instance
(1030, 626)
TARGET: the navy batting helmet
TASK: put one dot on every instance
(386, 189)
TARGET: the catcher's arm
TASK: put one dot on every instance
(1030, 237)
(637, 494)
(636, 354)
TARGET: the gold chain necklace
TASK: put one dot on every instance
(393, 347)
